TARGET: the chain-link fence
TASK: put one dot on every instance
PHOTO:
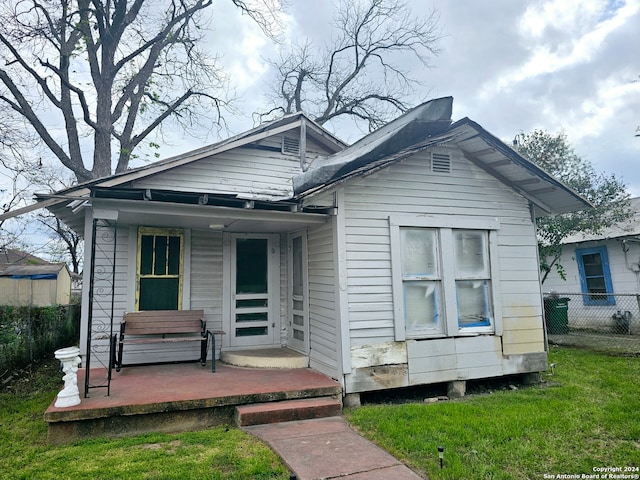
(28, 333)
(599, 321)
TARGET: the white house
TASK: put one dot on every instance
(407, 258)
(605, 270)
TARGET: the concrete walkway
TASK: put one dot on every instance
(327, 448)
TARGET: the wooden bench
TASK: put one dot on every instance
(163, 326)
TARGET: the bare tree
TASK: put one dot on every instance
(97, 77)
(362, 73)
(18, 177)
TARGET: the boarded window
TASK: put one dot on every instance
(442, 279)
(159, 269)
(471, 257)
(420, 278)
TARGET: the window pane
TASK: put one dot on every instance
(251, 331)
(471, 256)
(593, 265)
(419, 252)
(252, 317)
(146, 255)
(421, 305)
(251, 265)
(159, 293)
(160, 260)
(174, 256)
(473, 303)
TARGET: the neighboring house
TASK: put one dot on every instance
(11, 256)
(599, 266)
(407, 258)
(36, 285)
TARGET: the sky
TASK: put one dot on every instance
(511, 65)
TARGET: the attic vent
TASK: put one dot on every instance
(290, 145)
(440, 163)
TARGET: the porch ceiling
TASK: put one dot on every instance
(204, 217)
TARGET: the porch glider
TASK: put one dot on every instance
(162, 326)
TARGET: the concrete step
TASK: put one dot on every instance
(287, 411)
(265, 358)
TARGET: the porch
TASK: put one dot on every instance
(188, 396)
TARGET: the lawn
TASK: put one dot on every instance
(218, 453)
(585, 415)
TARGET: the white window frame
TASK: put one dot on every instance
(448, 310)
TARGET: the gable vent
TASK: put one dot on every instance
(440, 163)
(290, 145)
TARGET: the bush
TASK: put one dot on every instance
(28, 333)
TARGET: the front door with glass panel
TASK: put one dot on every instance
(255, 292)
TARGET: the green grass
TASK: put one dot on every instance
(586, 415)
(217, 453)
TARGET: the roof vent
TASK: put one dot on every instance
(440, 162)
(290, 145)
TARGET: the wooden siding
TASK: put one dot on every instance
(250, 173)
(409, 187)
(102, 291)
(323, 318)
(206, 278)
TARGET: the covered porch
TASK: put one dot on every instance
(188, 396)
(244, 266)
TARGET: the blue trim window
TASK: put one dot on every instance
(595, 276)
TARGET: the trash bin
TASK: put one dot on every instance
(556, 315)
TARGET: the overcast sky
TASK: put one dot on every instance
(512, 66)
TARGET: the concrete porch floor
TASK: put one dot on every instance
(178, 397)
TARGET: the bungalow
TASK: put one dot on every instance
(406, 258)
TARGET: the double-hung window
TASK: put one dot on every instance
(473, 277)
(421, 283)
(595, 277)
(159, 269)
(444, 273)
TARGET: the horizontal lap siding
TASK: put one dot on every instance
(323, 329)
(104, 283)
(410, 188)
(249, 172)
(206, 278)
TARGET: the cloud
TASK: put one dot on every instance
(561, 35)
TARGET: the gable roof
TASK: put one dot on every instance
(429, 125)
(281, 125)
(35, 272)
(626, 229)
(11, 256)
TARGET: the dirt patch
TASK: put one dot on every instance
(43, 375)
